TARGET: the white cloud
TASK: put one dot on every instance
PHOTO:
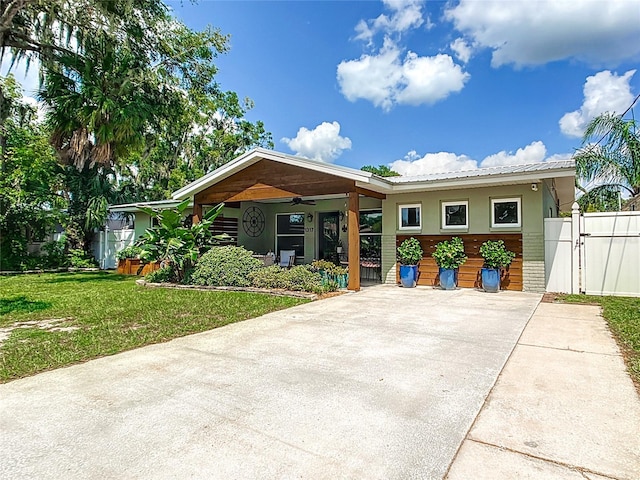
(603, 92)
(405, 15)
(560, 157)
(414, 164)
(385, 79)
(461, 49)
(389, 76)
(533, 153)
(429, 79)
(537, 32)
(323, 143)
(29, 79)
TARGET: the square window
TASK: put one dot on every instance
(455, 215)
(290, 223)
(410, 217)
(506, 212)
(290, 232)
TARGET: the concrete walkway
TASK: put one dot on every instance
(384, 383)
(563, 407)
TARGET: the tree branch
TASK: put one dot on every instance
(24, 42)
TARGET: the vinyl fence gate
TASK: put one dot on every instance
(594, 253)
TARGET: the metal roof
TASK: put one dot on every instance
(485, 172)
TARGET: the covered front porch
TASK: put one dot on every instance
(289, 204)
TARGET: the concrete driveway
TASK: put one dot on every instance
(384, 383)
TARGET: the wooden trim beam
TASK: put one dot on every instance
(353, 220)
(197, 212)
(371, 193)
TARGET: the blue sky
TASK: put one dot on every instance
(426, 86)
(436, 85)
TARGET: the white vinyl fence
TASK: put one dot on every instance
(107, 244)
(594, 253)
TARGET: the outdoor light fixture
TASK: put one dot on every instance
(342, 215)
(534, 187)
(309, 217)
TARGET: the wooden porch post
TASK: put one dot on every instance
(353, 219)
(197, 211)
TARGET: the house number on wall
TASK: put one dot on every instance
(308, 229)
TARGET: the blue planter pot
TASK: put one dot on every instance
(408, 275)
(342, 280)
(448, 278)
(491, 279)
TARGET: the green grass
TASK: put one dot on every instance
(110, 314)
(623, 316)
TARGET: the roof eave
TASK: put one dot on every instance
(135, 207)
(257, 154)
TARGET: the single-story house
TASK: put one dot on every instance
(275, 202)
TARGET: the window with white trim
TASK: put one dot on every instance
(410, 217)
(506, 213)
(455, 215)
(290, 232)
(371, 233)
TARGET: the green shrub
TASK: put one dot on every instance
(54, 254)
(227, 265)
(410, 252)
(132, 251)
(333, 276)
(30, 262)
(268, 277)
(303, 278)
(162, 275)
(51, 255)
(323, 265)
(329, 268)
(299, 278)
(174, 241)
(450, 253)
(79, 259)
(495, 254)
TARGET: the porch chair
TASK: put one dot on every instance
(287, 258)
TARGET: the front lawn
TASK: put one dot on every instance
(623, 316)
(52, 320)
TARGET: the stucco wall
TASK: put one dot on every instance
(141, 223)
(549, 208)
(479, 222)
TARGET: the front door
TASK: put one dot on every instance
(328, 234)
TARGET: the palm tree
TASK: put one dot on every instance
(99, 104)
(611, 164)
(98, 107)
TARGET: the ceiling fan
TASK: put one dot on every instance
(300, 201)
